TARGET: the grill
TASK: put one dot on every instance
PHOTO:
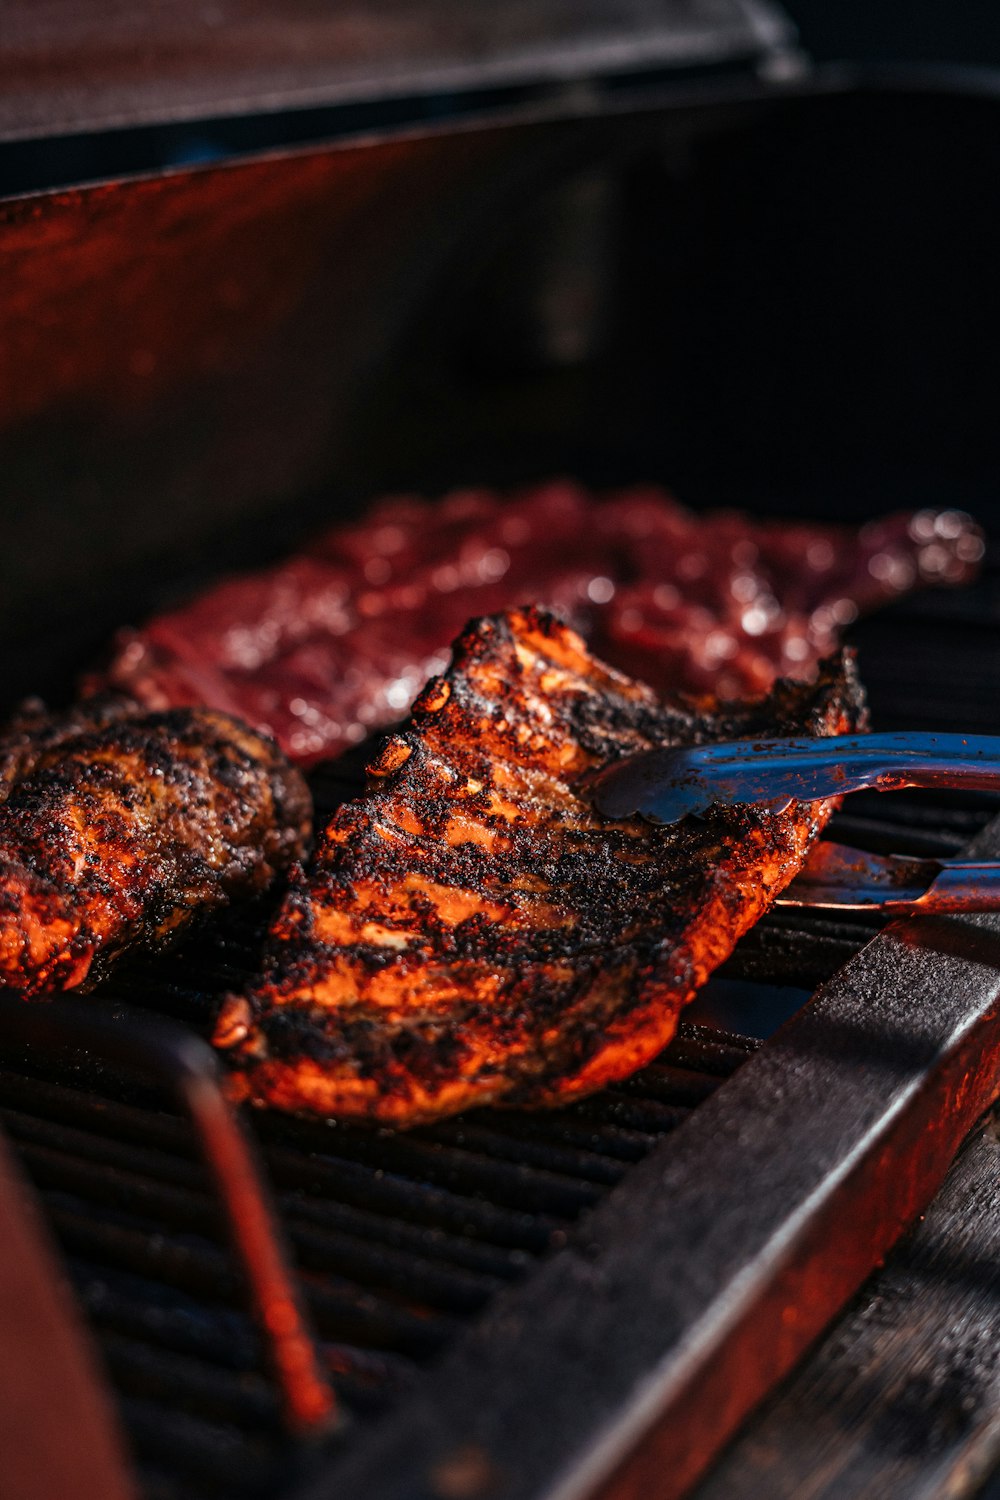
(400, 1239)
(588, 1302)
(401, 1242)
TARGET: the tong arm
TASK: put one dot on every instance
(841, 879)
(884, 762)
(666, 785)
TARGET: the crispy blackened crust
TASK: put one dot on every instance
(117, 827)
(473, 932)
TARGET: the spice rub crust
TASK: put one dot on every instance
(119, 827)
(472, 932)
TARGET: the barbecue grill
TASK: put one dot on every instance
(765, 285)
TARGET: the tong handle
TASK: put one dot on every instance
(930, 760)
(970, 762)
(666, 785)
(841, 879)
(959, 887)
(881, 761)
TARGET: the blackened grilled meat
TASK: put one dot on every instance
(118, 827)
(472, 931)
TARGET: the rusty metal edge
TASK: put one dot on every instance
(622, 1365)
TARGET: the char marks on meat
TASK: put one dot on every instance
(118, 827)
(330, 645)
(471, 931)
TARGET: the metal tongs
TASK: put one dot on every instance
(667, 785)
(898, 885)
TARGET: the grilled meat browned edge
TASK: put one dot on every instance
(471, 931)
(118, 827)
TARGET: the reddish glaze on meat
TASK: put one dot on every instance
(471, 931)
(327, 646)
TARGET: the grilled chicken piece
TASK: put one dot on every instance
(473, 932)
(117, 827)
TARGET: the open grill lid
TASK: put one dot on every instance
(69, 68)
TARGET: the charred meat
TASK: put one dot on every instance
(471, 931)
(117, 827)
(338, 641)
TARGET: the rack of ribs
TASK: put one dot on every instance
(118, 827)
(332, 644)
(471, 931)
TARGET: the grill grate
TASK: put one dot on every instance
(399, 1239)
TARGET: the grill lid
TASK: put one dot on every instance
(69, 68)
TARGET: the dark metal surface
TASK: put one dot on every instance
(188, 1068)
(165, 358)
(400, 1240)
(198, 370)
(902, 1396)
(67, 67)
(59, 1434)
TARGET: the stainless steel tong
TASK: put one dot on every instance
(842, 879)
(667, 785)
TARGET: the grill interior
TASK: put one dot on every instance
(401, 1240)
